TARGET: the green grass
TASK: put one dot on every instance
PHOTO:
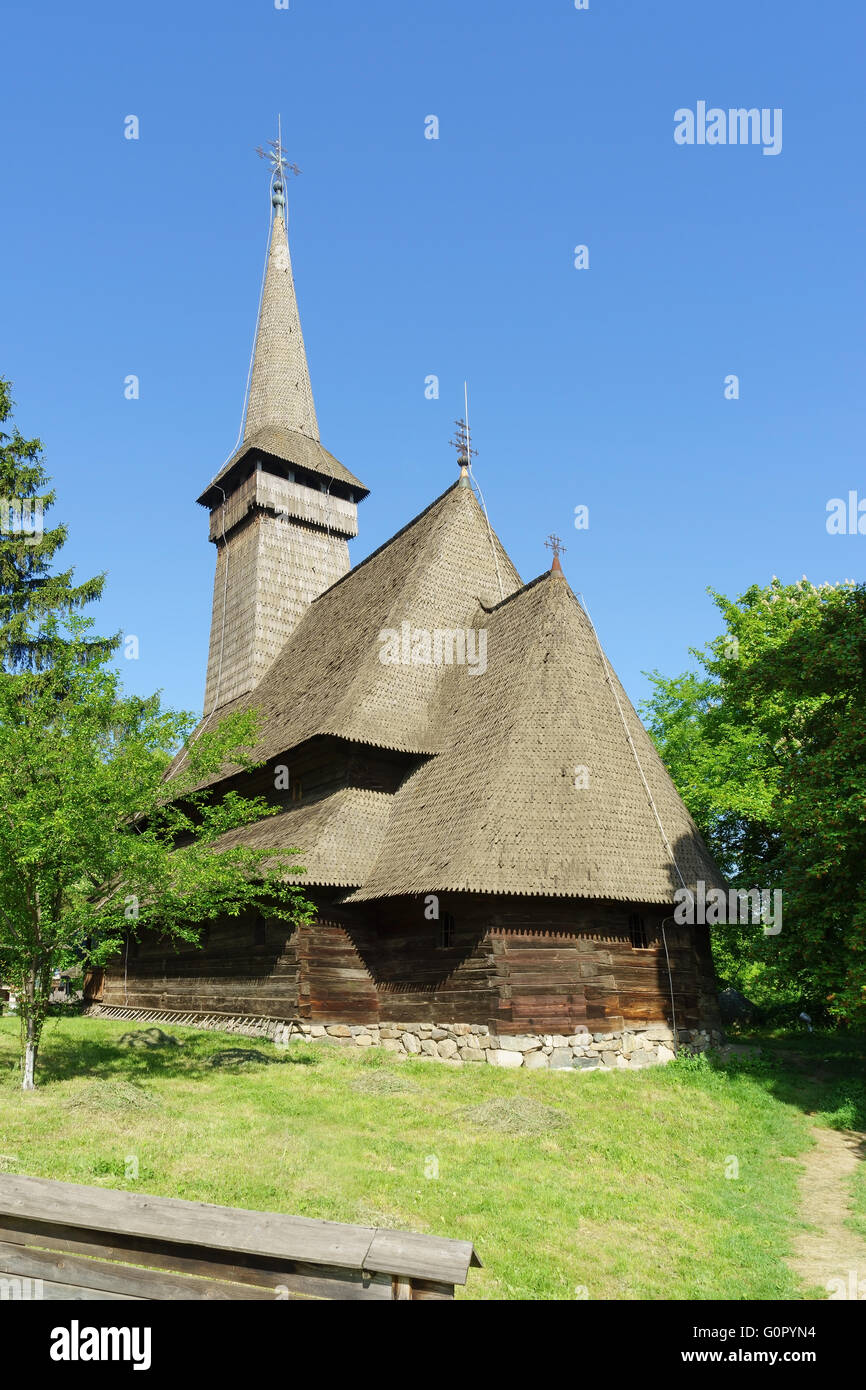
(858, 1219)
(613, 1183)
(823, 1073)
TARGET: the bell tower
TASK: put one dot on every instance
(282, 509)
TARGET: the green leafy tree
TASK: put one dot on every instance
(94, 843)
(822, 803)
(766, 745)
(29, 592)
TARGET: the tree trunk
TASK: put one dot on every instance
(31, 1047)
(31, 1005)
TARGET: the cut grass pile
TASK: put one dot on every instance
(383, 1083)
(108, 1096)
(516, 1115)
(616, 1182)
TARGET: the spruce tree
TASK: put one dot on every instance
(30, 594)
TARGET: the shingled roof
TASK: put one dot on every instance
(341, 833)
(529, 784)
(280, 388)
(280, 421)
(288, 447)
(328, 678)
(537, 789)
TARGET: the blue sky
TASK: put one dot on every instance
(601, 387)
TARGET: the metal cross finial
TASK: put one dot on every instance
(275, 157)
(462, 442)
(554, 543)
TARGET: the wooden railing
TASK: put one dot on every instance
(65, 1241)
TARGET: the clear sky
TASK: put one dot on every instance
(602, 387)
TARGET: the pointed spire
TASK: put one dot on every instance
(281, 396)
(554, 543)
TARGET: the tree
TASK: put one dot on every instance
(822, 803)
(29, 592)
(94, 843)
(767, 746)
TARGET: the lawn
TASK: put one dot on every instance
(672, 1182)
(858, 1220)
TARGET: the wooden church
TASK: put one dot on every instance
(490, 838)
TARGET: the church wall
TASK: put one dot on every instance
(515, 966)
(531, 964)
(239, 970)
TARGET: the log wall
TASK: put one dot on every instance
(516, 965)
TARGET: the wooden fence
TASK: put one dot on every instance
(91, 1243)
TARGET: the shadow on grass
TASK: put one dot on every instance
(67, 1054)
(824, 1075)
(149, 1037)
(244, 1057)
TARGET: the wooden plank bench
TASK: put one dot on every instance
(94, 1243)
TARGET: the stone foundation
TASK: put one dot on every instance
(456, 1043)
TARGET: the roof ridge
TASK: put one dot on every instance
(447, 522)
(495, 607)
(385, 544)
(532, 584)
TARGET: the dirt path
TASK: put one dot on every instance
(831, 1251)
